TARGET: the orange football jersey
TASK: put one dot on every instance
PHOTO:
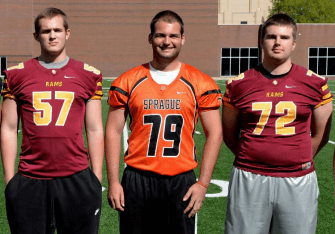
(163, 118)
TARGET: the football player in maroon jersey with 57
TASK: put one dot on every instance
(54, 96)
(276, 118)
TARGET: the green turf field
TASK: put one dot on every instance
(212, 214)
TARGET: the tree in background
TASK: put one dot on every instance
(306, 11)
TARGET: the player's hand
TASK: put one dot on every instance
(116, 196)
(8, 178)
(197, 194)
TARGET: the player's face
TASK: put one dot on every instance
(52, 36)
(167, 40)
(278, 43)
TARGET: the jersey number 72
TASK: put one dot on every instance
(280, 123)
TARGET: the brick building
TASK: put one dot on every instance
(112, 35)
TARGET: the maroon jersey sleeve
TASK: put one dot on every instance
(229, 97)
(11, 72)
(97, 79)
(321, 94)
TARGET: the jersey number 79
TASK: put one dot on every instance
(172, 126)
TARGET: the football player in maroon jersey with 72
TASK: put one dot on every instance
(54, 96)
(276, 118)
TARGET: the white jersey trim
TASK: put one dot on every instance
(161, 77)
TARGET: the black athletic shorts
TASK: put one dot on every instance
(72, 205)
(154, 203)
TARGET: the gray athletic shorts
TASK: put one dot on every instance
(260, 204)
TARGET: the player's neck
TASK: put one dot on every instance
(277, 67)
(52, 58)
(166, 66)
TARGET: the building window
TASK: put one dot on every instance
(3, 65)
(244, 22)
(321, 60)
(237, 60)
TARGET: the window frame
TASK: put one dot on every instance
(2, 74)
(239, 57)
(318, 57)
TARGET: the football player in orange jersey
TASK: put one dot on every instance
(54, 96)
(163, 98)
(276, 118)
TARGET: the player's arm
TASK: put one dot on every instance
(334, 177)
(1, 86)
(320, 126)
(95, 136)
(320, 129)
(211, 124)
(231, 127)
(114, 127)
(9, 138)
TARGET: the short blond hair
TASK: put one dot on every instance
(49, 13)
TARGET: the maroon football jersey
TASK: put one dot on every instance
(276, 120)
(51, 105)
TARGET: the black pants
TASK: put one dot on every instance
(71, 204)
(154, 203)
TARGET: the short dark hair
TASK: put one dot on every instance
(280, 19)
(169, 17)
(49, 13)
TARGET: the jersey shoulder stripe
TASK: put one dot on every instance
(323, 103)
(117, 89)
(137, 84)
(192, 88)
(91, 76)
(19, 66)
(16, 75)
(130, 78)
(188, 83)
(122, 88)
(218, 91)
(205, 89)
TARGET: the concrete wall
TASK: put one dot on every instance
(250, 11)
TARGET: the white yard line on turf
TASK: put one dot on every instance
(125, 138)
(332, 142)
(196, 223)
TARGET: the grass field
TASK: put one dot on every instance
(212, 214)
